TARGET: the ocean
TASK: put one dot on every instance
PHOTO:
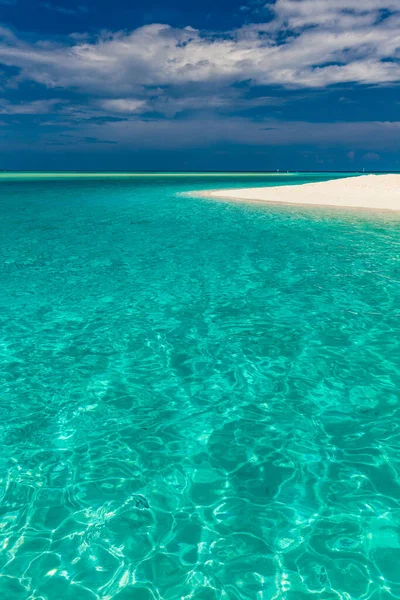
(199, 399)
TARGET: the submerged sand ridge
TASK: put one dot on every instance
(364, 191)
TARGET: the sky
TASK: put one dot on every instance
(200, 85)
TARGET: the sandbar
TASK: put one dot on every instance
(364, 191)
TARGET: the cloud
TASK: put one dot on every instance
(224, 101)
(371, 156)
(213, 131)
(123, 105)
(118, 84)
(171, 102)
(307, 44)
(37, 107)
(340, 14)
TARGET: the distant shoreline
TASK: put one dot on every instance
(5, 174)
(45, 174)
(379, 192)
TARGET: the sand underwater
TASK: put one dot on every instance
(199, 399)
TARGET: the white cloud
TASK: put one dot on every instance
(326, 42)
(328, 13)
(123, 105)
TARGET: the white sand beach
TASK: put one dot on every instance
(366, 191)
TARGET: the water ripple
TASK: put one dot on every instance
(198, 400)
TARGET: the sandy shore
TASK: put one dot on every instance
(365, 191)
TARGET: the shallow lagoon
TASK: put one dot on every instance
(198, 399)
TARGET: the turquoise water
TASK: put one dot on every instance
(199, 399)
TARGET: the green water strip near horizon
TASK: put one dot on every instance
(11, 175)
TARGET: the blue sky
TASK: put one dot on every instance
(217, 84)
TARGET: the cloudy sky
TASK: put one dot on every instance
(210, 84)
